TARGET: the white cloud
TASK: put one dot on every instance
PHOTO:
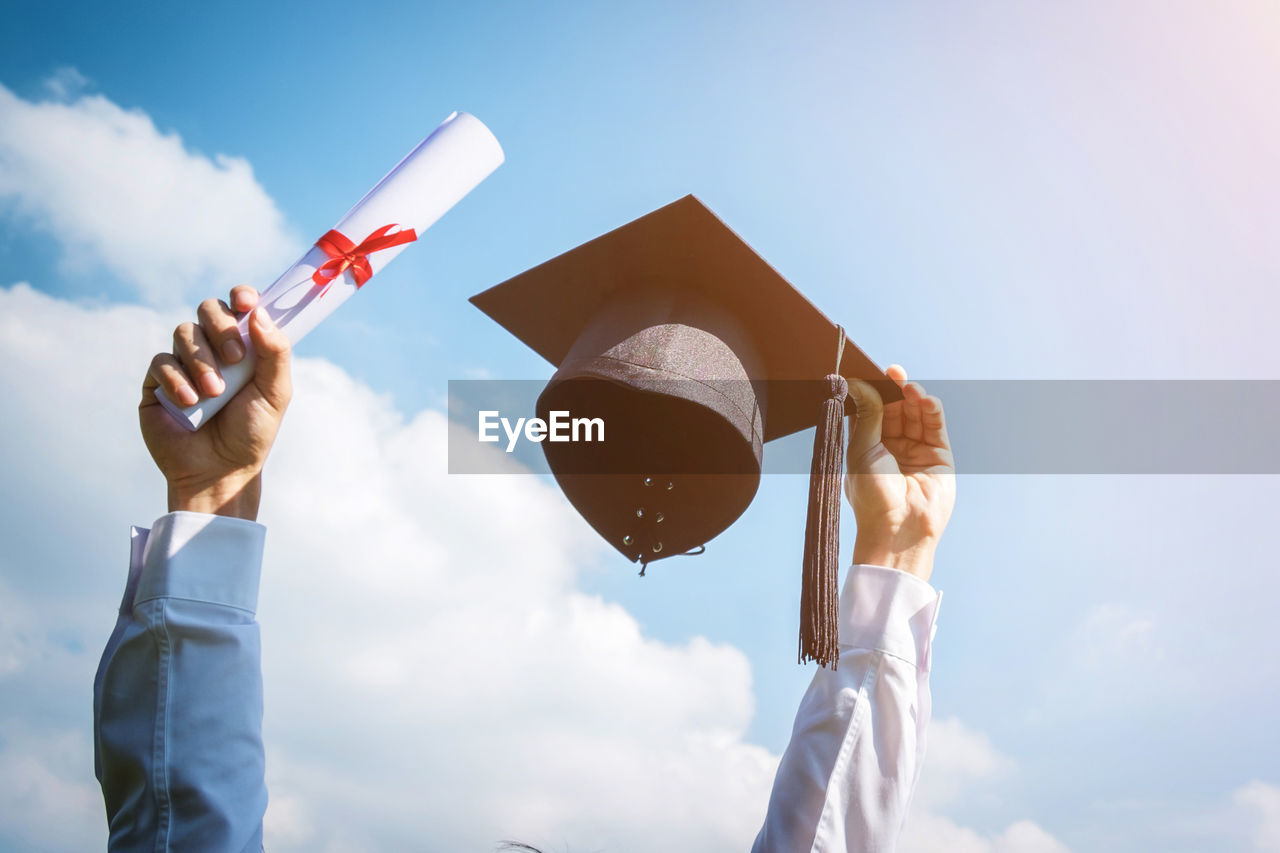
(66, 82)
(1262, 801)
(959, 759)
(46, 801)
(1114, 634)
(487, 696)
(934, 834)
(15, 633)
(961, 766)
(118, 193)
(1026, 837)
(1114, 659)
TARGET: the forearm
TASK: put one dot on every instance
(846, 778)
(178, 696)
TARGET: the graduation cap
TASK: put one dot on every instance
(694, 353)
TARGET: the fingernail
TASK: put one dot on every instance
(263, 318)
(187, 396)
(211, 384)
(233, 351)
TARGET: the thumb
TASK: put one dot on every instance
(271, 373)
(868, 422)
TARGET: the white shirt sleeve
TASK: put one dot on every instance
(847, 776)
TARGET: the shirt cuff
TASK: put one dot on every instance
(201, 557)
(890, 611)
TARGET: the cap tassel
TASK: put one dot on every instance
(819, 593)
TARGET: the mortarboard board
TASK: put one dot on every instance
(693, 352)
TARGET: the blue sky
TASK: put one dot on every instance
(975, 190)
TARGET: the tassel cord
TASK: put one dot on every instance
(819, 596)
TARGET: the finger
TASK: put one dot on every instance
(166, 373)
(893, 411)
(934, 422)
(219, 326)
(271, 374)
(243, 298)
(912, 394)
(193, 350)
(868, 420)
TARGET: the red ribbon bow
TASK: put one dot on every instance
(344, 255)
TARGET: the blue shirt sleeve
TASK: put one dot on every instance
(178, 693)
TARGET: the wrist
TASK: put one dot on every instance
(914, 558)
(234, 496)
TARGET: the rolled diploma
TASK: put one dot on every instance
(422, 187)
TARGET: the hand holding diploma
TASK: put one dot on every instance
(218, 469)
(421, 188)
(237, 356)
